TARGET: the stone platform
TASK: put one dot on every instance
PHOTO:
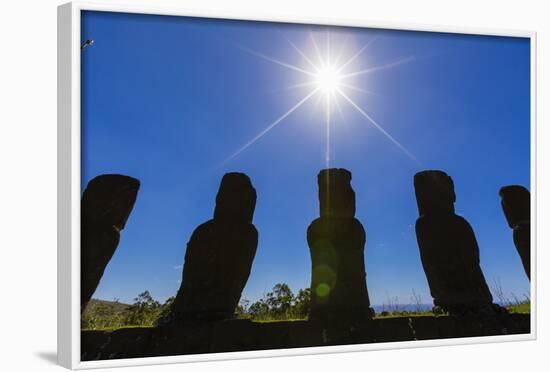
(246, 335)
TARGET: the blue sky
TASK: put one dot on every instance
(168, 100)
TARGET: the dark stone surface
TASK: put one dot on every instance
(219, 256)
(336, 196)
(516, 204)
(435, 193)
(337, 241)
(236, 199)
(107, 202)
(448, 249)
(122, 343)
(244, 335)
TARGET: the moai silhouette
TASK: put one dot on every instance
(336, 243)
(106, 204)
(219, 256)
(448, 249)
(516, 204)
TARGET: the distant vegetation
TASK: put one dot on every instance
(277, 305)
(144, 312)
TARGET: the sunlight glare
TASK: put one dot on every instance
(328, 76)
(328, 79)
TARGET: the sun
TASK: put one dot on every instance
(328, 79)
(329, 75)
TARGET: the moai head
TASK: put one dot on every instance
(336, 197)
(516, 204)
(236, 199)
(108, 199)
(435, 192)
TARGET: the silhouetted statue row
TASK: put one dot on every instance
(220, 252)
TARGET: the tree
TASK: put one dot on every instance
(165, 309)
(280, 300)
(259, 310)
(102, 315)
(302, 303)
(280, 304)
(242, 307)
(144, 311)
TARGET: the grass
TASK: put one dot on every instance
(520, 308)
(404, 314)
(278, 320)
(111, 315)
(517, 308)
(116, 328)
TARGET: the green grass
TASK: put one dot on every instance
(116, 328)
(112, 315)
(520, 308)
(400, 314)
(278, 320)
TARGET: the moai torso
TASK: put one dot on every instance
(448, 248)
(516, 204)
(336, 241)
(107, 202)
(219, 255)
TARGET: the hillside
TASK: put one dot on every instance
(97, 305)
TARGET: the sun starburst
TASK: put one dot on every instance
(328, 76)
(328, 79)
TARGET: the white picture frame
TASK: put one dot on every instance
(69, 187)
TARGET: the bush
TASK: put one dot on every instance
(279, 304)
(144, 312)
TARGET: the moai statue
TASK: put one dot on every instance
(448, 249)
(336, 243)
(219, 256)
(516, 204)
(107, 202)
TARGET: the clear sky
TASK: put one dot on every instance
(170, 100)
